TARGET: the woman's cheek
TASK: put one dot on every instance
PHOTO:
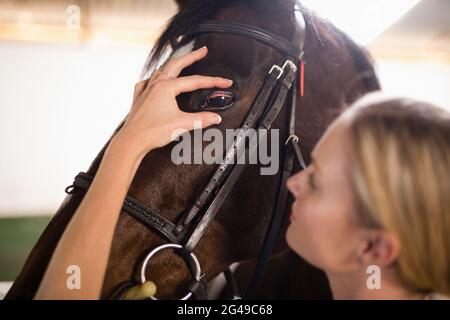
(311, 234)
(302, 234)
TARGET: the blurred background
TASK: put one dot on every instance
(66, 64)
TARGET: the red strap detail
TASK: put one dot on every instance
(301, 79)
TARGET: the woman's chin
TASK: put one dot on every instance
(296, 244)
(291, 240)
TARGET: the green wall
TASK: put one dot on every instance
(17, 238)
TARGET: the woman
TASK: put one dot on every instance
(375, 202)
(349, 235)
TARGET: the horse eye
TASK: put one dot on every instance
(219, 100)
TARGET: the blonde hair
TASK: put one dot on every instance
(401, 177)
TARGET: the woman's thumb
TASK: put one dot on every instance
(204, 119)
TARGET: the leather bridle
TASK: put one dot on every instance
(279, 89)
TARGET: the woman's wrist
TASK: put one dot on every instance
(129, 148)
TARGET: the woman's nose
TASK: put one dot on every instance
(295, 184)
(290, 185)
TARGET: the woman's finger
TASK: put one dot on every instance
(195, 82)
(174, 66)
(160, 74)
(205, 118)
(139, 88)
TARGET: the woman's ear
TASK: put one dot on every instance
(380, 247)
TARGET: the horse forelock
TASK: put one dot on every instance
(167, 55)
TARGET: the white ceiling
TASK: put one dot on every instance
(423, 31)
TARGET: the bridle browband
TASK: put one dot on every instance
(269, 39)
(184, 235)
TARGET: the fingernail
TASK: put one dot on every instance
(202, 48)
(217, 119)
(230, 82)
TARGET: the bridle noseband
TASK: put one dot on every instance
(276, 90)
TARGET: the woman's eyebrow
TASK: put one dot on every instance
(314, 163)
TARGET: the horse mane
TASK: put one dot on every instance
(183, 23)
(363, 62)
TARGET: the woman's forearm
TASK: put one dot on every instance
(86, 242)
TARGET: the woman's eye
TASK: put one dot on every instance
(219, 100)
(311, 181)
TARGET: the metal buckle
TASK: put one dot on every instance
(196, 275)
(281, 69)
(291, 137)
(277, 68)
(290, 64)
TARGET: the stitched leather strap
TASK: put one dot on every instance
(222, 194)
(258, 34)
(136, 209)
(224, 168)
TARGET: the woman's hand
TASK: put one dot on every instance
(155, 116)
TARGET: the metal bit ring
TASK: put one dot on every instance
(195, 273)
